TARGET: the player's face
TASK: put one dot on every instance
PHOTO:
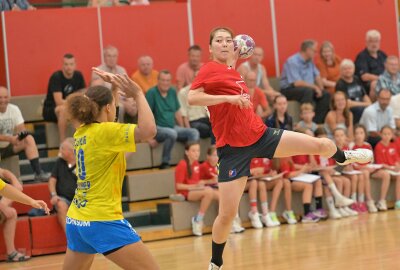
(347, 71)
(193, 153)
(195, 58)
(340, 101)
(257, 56)
(146, 65)
(281, 105)
(69, 66)
(387, 135)
(392, 66)
(4, 99)
(111, 58)
(359, 135)
(221, 47)
(373, 44)
(213, 159)
(164, 82)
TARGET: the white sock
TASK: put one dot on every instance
(331, 203)
(334, 190)
(264, 207)
(354, 196)
(361, 197)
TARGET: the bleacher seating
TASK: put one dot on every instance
(141, 159)
(30, 106)
(39, 191)
(47, 235)
(22, 238)
(11, 164)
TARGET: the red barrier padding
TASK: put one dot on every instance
(38, 191)
(22, 238)
(47, 235)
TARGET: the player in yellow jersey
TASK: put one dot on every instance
(95, 223)
(14, 194)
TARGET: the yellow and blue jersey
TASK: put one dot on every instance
(2, 184)
(100, 167)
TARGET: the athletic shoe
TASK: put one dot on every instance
(214, 267)
(274, 218)
(42, 176)
(290, 217)
(363, 207)
(255, 220)
(310, 218)
(334, 214)
(343, 212)
(371, 206)
(342, 201)
(237, 226)
(320, 213)
(267, 221)
(397, 205)
(350, 212)
(355, 207)
(381, 205)
(359, 155)
(197, 227)
(177, 197)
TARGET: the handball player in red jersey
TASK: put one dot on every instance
(241, 135)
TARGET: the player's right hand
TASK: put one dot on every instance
(240, 101)
(40, 205)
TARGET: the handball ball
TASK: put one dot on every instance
(247, 44)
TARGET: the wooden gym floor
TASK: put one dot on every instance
(370, 241)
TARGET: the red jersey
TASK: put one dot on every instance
(301, 159)
(397, 143)
(230, 124)
(324, 161)
(286, 165)
(259, 99)
(261, 163)
(182, 177)
(207, 171)
(386, 154)
(365, 145)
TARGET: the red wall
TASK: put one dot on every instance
(38, 39)
(232, 13)
(343, 22)
(159, 30)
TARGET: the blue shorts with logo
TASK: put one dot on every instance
(234, 162)
(99, 236)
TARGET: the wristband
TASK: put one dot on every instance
(52, 194)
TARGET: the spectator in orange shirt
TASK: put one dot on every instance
(257, 96)
(329, 66)
(145, 76)
(186, 71)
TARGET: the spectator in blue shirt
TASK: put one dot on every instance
(301, 81)
(15, 5)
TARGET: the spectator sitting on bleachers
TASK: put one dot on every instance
(395, 105)
(103, 3)
(165, 106)
(8, 218)
(126, 106)
(339, 116)
(62, 183)
(306, 115)
(145, 76)
(254, 64)
(15, 5)
(301, 80)
(194, 116)
(328, 66)
(186, 71)
(357, 98)
(189, 184)
(378, 115)
(257, 96)
(62, 83)
(280, 118)
(139, 2)
(370, 62)
(11, 123)
(390, 79)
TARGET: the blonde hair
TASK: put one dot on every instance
(346, 63)
(306, 107)
(373, 34)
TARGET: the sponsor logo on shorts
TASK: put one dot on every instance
(276, 132)
(79, 223)
(232, 173)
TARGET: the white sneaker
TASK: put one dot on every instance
(371, 206)
(290, 217)
(382, 205)
(343, 212)
(267, 221)
(334, 214)
(237, 226)
(214, 267)
(197, 227)
(359, 155)
(255, 220)
(350, 211)
(342, 201)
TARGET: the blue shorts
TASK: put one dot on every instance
(99, 236)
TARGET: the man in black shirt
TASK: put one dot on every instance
(62, 183)
(352, 86)
(370, 63)
(61, 84)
